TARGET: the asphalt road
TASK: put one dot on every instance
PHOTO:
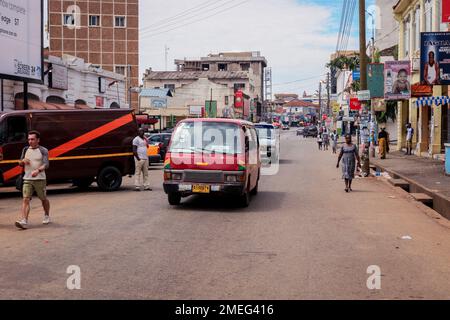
(302, 237)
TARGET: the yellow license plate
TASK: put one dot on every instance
(201, 189)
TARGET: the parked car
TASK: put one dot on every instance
(162, 140)
(310, 131)
(285, 127)
(153, 153)
(201, 162)
(84, 145)
(268, 142)
(299, 131)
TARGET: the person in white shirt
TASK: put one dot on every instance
(431, 73)
(409, 138)
(35, 161)
(140, 145)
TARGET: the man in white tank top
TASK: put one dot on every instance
(431, 70)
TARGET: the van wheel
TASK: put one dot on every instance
(244, 200)
(109, 179)
(174, 198)
(83, 183)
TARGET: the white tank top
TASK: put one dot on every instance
(432, 73)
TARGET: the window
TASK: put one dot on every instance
(94, 21)
(68, 19)
(223, 67)
(171, 87)
(120, 22)
(227, 100)
(155, 139)
(416, 27)
(245, 66)
(239, 86)
(428, 16)
(120, 70)
(16, 130)
(406, 36)
(205, 67)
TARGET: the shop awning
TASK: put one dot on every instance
(429, 101)
(145, 119)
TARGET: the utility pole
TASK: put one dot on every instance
(166, 50)
(3, 101)
(328, 94)
(320, 101)
(362, 44)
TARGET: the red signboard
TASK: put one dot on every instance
(239, 99)
(445, 11)
(355, 104)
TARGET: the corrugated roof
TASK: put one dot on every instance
(157, 93)
(299, 103)
(195, 75)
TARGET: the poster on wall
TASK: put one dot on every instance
(397, 80)
(445, 11)
(21, 36)
(375, 80)
(435, 58)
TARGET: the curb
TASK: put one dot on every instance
(432, 194)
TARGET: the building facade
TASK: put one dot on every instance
(430, 123)
(69, 83)
(103, 33)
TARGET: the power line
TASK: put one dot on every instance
(301, 80)
(195, 21)
(165, 25)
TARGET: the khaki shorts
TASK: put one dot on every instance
(32, 186)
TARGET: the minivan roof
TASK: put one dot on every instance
(224, 120)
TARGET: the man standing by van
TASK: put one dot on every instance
(35, 161)
(140, 145)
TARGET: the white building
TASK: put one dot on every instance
(68, 82)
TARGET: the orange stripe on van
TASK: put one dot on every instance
(77, 142)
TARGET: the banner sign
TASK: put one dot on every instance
(445, 11)
(21, 36)
(158, 103)
(355, 104)
(435, 58)
(421, 90)
(378, 105)
(375, 80)
(397, 80)
(239, 99)
(364, 95)
(356, 75)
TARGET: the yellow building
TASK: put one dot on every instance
(430, 123)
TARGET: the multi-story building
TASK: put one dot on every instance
(430, 123)
(211, 80)
(103, 33)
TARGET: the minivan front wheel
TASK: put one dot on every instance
(109, 179)
(174, 198)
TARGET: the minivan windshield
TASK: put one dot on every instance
(207, 137)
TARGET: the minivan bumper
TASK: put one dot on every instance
(185, 188)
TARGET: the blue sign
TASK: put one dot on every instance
(435, 58)
(356, 75)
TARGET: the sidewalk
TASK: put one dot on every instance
(424, 175)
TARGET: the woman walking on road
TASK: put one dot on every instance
(349, 156)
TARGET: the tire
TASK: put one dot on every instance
(174, 198)
(83, 184)
(255, 189)
(109, 179)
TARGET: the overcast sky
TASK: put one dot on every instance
(296, 36)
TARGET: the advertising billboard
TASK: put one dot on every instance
(375, 80)
(435, 58)
(445, 11)
(21, 36)
(397, 80)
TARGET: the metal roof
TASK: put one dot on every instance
(156, 93)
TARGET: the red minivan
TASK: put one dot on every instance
(213, 156)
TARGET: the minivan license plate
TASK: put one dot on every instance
(201, 189)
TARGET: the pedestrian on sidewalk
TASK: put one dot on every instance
(383, 142)
(319, 141)
(34, 160)
(409, 138)
(334, 141)
(349, 156)
(140, 146)
(326, 140)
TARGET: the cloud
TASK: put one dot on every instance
(296, 37)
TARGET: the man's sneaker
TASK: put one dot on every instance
(22, 224)
(148, 189)
(46, 220)
(137, 189)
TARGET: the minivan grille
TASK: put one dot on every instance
(203, 176)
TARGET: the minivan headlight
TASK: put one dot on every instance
(234, 178)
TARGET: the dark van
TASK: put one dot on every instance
(84, 145)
